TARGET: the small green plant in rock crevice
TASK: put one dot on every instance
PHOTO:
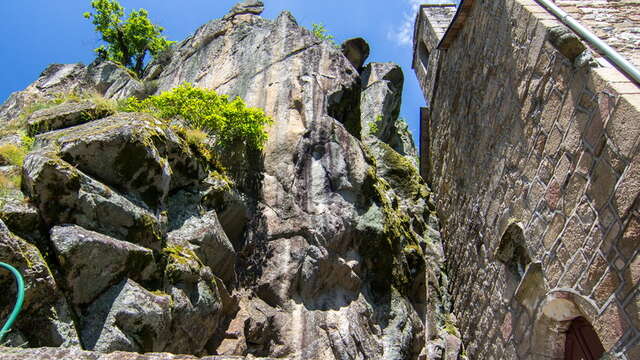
(374, 126)
(321, 33)
(229, 122)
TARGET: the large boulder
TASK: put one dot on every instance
(127, 317)
(131, 152)
(65, 115)
(201, 304)
(100, 77)
(356, 50)
(65, 195)
(93, 262)
(255, 7)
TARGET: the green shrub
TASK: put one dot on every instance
(228, 122)
(11, 154)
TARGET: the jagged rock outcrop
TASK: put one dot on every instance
(325, 246)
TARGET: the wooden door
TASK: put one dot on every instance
(582, 342)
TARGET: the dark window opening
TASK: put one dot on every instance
(513, 252)
(582, 342)
(423, 53)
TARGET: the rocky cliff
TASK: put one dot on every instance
(325, 245)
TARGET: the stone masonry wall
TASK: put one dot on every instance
(535, 163)
(430, 32)
(430, 26)
(614, 21)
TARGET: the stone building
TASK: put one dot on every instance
(531, 143)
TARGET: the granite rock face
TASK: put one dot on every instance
(324, 246)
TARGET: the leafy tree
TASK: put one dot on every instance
(320, 32)
(128, 40)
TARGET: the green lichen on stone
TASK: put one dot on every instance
(181, 261)
(402, 174)
(181, 254)
(164, 294)
(396, 240)
(144, 231)
(449, 326)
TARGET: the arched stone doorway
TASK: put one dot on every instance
(563, 330)
(582, 342)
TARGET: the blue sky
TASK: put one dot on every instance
(36, 33)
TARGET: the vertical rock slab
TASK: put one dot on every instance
(309, 249)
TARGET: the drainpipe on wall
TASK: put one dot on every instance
(612, 55)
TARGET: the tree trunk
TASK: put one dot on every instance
(126, 57)
(140, 63)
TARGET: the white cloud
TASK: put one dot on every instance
(403, 33)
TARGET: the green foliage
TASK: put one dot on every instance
(450, 326)
(374, 126)
(11, 154)
(14, 155)
(27, 141)
(128, 40)
(228, 122)
(321, 33)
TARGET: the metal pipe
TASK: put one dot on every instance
(622, 64)
(20, 299)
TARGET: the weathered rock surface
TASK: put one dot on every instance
(127, 317)
(78, 354)
(255, 7)
(21, 218)
(380, 101)
(64, 195)
(64, 115)
(93, 262)
(206, 238)
(324, 246)
(102, 77)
